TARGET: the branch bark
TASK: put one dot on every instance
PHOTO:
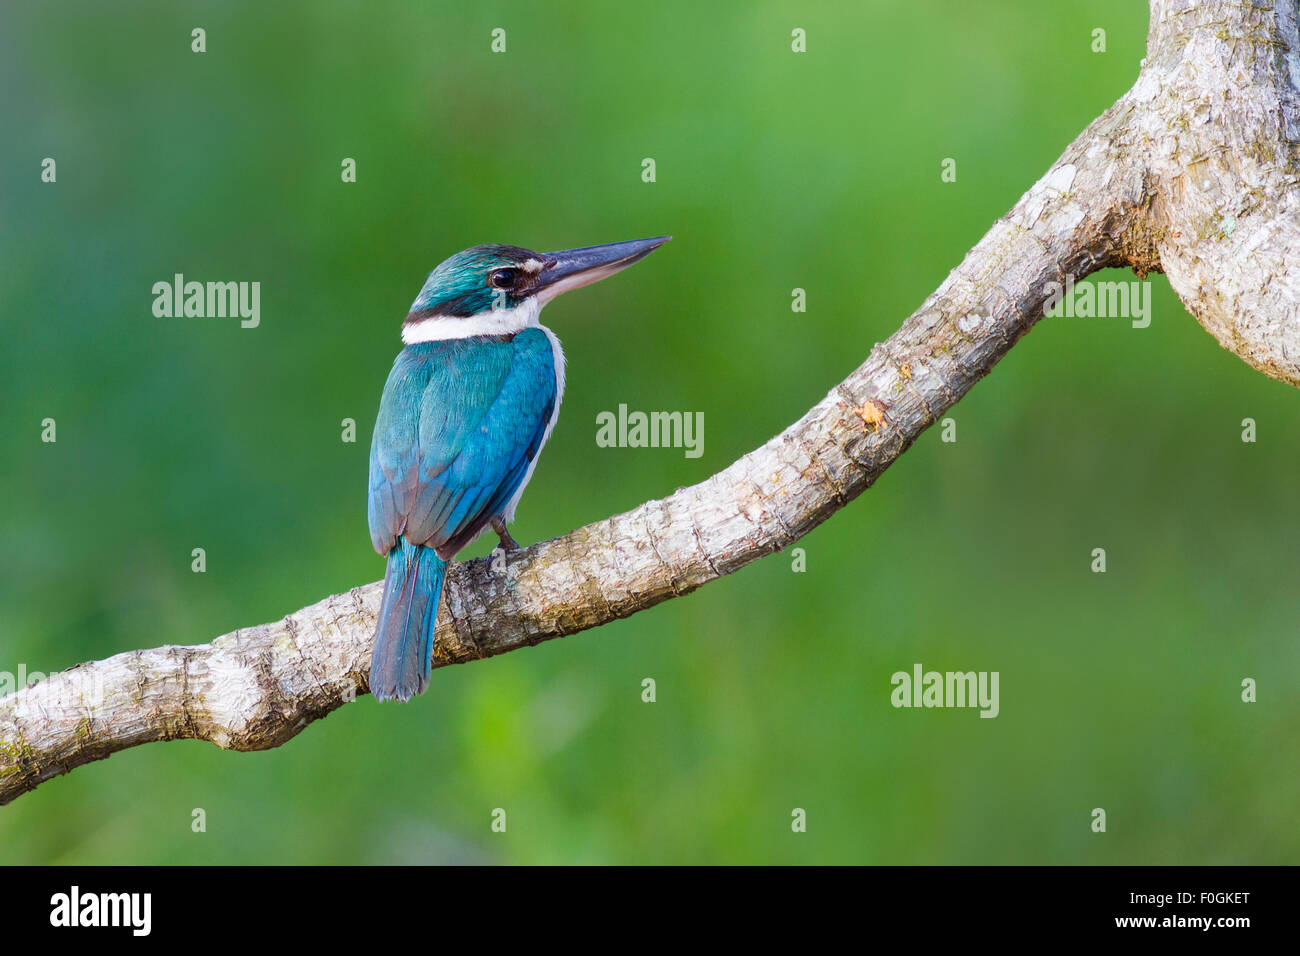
(1193, 171)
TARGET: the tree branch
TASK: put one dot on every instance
(1193, 171)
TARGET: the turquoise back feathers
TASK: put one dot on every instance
(458, 426)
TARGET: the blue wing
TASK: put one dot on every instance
(459, 424)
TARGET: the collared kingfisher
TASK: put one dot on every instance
(470, 402)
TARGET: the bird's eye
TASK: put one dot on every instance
(503, 278)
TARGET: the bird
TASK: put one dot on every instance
(470, 402)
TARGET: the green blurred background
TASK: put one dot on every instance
(775, 170)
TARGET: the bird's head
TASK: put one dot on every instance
(500, 290)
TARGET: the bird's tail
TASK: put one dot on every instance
(403, 654)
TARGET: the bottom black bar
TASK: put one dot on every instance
(337, 905)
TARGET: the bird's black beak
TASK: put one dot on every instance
(574, 268)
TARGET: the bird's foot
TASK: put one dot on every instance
(507, 543)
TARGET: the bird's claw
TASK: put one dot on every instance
(507, 542)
